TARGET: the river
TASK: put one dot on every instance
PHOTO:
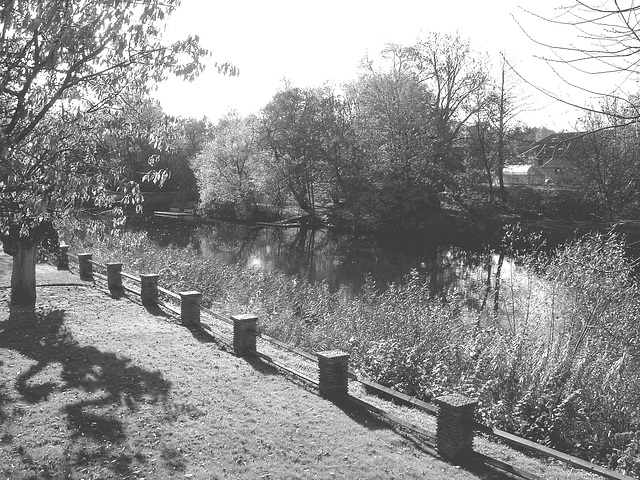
(342, 260)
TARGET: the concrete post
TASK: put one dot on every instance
(84, 265)
(334, 370)
(244, 334)
(63, 257)
(114, 277)
(149, 288)
(190, 307)
(454, 433)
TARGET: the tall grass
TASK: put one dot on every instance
(558, 363)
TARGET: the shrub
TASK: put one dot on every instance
(525, 200)
(553, 203)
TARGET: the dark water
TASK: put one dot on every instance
(341, 260)
(451, 258)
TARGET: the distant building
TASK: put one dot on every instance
(522, 175)
(550, 161)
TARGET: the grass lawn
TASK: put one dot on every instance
(95, 388)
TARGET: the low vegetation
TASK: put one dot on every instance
(558, 362)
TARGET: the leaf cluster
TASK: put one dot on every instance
(66, 69)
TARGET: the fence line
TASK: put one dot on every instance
(536, 447)
(287, 369)
(392, 418)
(131, 277)
(96, 264)
(290, 348)
(455, 414)
(428, 407)
(217, 316)
(168, 292)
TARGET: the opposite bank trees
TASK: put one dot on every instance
(62, 65)
(381, 151)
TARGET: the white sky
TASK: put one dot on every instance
(313, 42)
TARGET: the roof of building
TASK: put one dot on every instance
(552, 146)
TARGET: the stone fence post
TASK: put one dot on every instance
(63, 257)
(114, 277)
(245, 327)
(149, 288)
(190, 307)
(84, 265)
(334, 371)
(454, 431)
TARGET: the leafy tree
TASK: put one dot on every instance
(395, 135)
(229, 169)
(305, 135)
(195, 134)
(61, 65)
(190, 138)
(153, 147)
(410, 109)
(134, 132)
(453, 73)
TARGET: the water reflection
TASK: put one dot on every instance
(341, 260)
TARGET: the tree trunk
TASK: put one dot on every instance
(503, 190)
(490, 183)
(23, 276)
(501, 140)
(496, 292)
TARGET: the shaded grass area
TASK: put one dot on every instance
(92, 387)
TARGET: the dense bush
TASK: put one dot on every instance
(557, 364)
(525, 200)
(552, 203)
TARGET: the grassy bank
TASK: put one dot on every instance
(558, 364)
(96, 388)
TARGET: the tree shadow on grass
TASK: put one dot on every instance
(107, 381)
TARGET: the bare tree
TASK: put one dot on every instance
(603, 44)
(494, 122)
(606, 161)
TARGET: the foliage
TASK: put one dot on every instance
(409, 113)
(63, 64)
(395, 134)
(66, 69)
(230, 169)
(152, 148)
(379, 152)
(551, 203)
(308, 141)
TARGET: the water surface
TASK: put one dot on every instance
(344, 261)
